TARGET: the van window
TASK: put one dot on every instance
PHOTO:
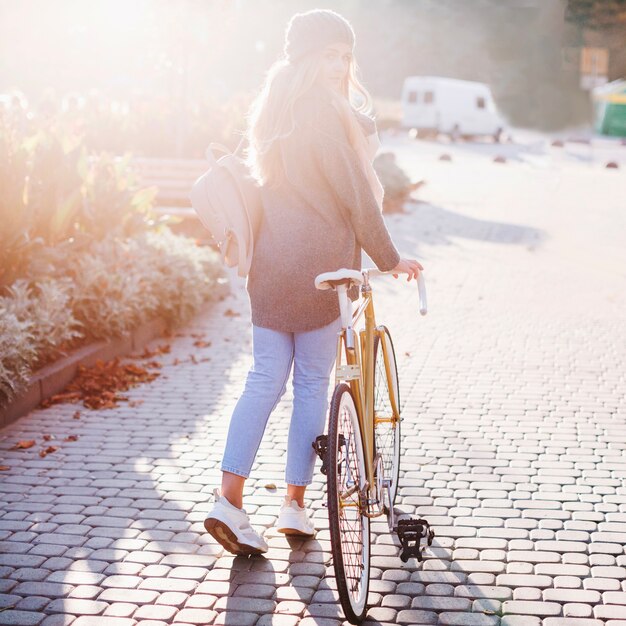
(480, 102)
(412, 97)
(429, 97)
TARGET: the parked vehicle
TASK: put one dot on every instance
(458, 108)
(609, 108)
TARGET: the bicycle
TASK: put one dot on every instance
(361, 452)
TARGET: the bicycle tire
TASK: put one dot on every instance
(386, 435)
(349, 528)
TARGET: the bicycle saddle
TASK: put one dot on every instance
(329, 280)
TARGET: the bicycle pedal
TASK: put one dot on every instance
(410, 532)
(320, 445)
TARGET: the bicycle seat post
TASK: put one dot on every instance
(345, 307)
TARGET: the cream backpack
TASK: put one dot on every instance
(228, 202)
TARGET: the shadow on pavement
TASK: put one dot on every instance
(437, 225)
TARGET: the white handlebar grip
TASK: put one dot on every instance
(421, 286)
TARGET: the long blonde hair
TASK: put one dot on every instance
(271, 115)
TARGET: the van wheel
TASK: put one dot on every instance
(455, 134)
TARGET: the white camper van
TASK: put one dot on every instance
(459, 108)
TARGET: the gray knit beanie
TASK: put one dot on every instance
(314, 30)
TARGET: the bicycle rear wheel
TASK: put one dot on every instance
(387, 433)
(349, 528)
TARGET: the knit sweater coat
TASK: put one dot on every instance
(316, 221)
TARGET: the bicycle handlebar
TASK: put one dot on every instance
(421, 286)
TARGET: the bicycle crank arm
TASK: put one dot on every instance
(410, 532)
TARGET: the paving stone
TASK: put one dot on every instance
(75, 577)
(396, 601)
(58, 620)
(21, 618)
(85, 592)
(168, 584)
(602, 584)
(234, 617)
(51, 590)
(172, 598)
(121, 581)
(255, 591)
(523, 580)
(414, 617)
(483, 591)
(32, 603)
(526, 593)
(161, 612)
(577, 610)
(571, 595)
(438, 603)
(526, 607)
(609, 611)
(200, 601)
(76, 606)
(120, 609)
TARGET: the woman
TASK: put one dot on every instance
(312, 152)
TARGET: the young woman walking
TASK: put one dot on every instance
(312, 151)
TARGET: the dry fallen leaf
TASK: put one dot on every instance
(148, 354)
(4, 468)
(22, 445)
(270, 486)
(76, 415)
(71, 438)
(202, 344)
(98, 387)
(155, 364)
(48, 437)
(49, 450)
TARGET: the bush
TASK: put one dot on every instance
(101, 294)
(395, 182)
(44, 309)
(55, 200)
(17, 353)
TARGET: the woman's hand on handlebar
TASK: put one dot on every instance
(407, 266)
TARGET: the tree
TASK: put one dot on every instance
(596, 14)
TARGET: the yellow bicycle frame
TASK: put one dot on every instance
(358, 372)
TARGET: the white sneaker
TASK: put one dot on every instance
(293, 519)
(230, 526)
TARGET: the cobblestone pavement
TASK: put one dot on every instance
(514, 438)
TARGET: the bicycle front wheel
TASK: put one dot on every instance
(349, 528)
(386, 429)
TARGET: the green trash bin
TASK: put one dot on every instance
(609, 108)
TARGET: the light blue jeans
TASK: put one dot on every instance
(313, 354)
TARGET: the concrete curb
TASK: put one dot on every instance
(54, 377)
